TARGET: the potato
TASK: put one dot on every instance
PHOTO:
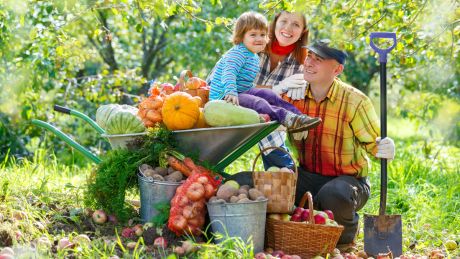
(246, 187)
(244, 200)
(216, 201)
(225, 192)
(144, 167)
(234, 199)
(161, 171)
(254, 194)
(261, 198)
(242, 196)
(157, 177)
(176, 176)
(243, 191)
(149, 172)
(170, 170)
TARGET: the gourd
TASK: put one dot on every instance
(219, 113)
(180, 111)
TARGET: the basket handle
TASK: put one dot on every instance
(277, 148)
(308, 198)
(182, 76)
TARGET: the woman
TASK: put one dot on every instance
(281, 70)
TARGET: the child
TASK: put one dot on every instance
(232, 78)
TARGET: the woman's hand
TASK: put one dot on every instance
(230, 98)
(294, 85)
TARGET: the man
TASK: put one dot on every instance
(333, 161)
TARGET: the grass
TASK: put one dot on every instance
(423, 187)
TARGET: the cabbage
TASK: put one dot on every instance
(119, 119)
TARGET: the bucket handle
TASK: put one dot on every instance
(308, 198)
(182, 76)
(277, 148)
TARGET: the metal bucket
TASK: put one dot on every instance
(240, 220)
(152, 193)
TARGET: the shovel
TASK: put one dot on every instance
(383, 233)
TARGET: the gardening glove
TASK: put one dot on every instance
(300, 135)
(230, 98)
(385, 148)
(291, 82)
(297, 93)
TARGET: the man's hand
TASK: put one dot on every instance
(230, 98)
(294, 82)
(385, 148)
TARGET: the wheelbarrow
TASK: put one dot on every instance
(219, 146)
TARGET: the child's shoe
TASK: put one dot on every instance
(298, 123)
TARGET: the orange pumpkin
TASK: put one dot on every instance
(180, 111)
(201, 123)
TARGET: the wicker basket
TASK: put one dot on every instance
(278, 187)
(203, 93)
(302, 238)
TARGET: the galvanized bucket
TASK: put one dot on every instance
(243, 220)
(154, 192)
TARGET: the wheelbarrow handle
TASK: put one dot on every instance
(78, 114)
(67, 139)
(62, 109)
(382, 52)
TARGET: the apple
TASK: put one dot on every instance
(99, 217)
(274, 216)
(128, 232)
(320, 219)
(64, 243)
(160, 242)
(273, 169)
(233, 183)
(329, 213)
(193, 83)
(278, 253)
(305, 216)
(82, 239)
(195, 191)
(296, 218)
(138, 230)
(167, 87)
(451, 245)
(298, 210)
(285, 217)
(131, 245)
(260, 255)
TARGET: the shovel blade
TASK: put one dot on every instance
(383, 234)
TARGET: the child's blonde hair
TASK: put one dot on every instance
(248, 21)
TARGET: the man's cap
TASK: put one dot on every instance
(322, 49)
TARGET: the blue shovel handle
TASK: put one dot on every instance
(383, 52)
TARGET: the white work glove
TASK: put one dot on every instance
(297, 93)
(385, 148)
(300, 135)
(292, 82)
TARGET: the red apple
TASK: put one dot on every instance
(298, 210)
(329, 213)
(167, 87)
(138, 230)
(278, 253)
(128, 233)
(296, 218)
(160, 242)
(177, 87)
(320, 219)
(99, 217)
(305, 216)
(193, 83)
(260, 256)
(64, 243)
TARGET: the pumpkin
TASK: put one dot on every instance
(201, 123)
(180, 111)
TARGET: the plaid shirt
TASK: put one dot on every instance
(340, 144)
(285, 68)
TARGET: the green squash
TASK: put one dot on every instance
(219, 113)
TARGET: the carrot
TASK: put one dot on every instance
(178, 165)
